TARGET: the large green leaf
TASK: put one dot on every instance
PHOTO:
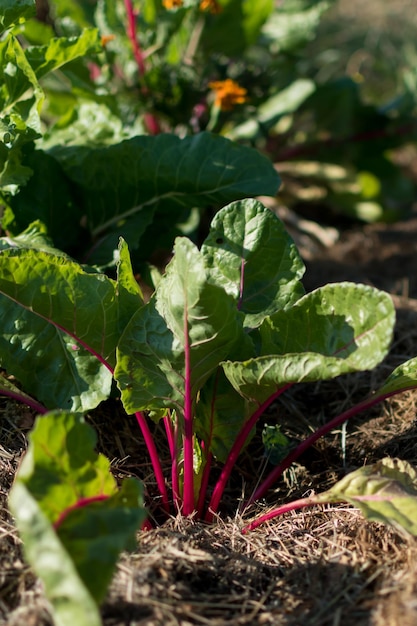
(334, 330)
(121, 188)
(250, 254)
(49, 363)
(61, 324)
(385, 492)
(62, 481)
(187, 318)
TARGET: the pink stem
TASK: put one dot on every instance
(147, 525)
(285, 508)
(175, 471)
(307, 443)
(236, 450)
(170, 435)
(204, 485)
(131, 33)
(188, 495)
(156, 463)
(151, 122)
(24, 399)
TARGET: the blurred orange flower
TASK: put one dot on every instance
(172, 4)
(105, 39)
(211, 5)
(228, 94)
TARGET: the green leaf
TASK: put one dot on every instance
(123, 187)
(19, 118)
(60, 325)
(61, 466)
(276, 444)
(47, 197)
(403, 377)
(12, 11)
(187, 315)
(70, 600)
(130, 297)
(62, 50)
(384, 492)
(95, 536)
(16, 73)
(251, 256)
(48, 363)
(63, 481)
(334, 330)
(34, 237)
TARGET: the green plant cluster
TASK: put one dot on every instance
(125, 127)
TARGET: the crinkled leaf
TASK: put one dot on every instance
(385, 492)
(63, 481)
(62, 50)
(333, 330)
(187, 315)
(19, 119)
(250, 254)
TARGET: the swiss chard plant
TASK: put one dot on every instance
(227, 331)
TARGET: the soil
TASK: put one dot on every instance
(320, 567)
